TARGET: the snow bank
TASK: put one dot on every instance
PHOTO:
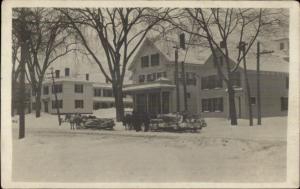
(107, 112)
(272, 128)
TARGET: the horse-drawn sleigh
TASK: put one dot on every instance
(89, 122)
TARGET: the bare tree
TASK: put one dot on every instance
(15, 69)
(49, 40)
(20, 36)
(224, 30)
(119, 32)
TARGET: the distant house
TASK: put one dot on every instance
(103, 97)
(76, 95)
(153, 77)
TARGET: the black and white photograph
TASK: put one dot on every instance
(150, 94)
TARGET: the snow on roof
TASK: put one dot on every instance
(273, 62)
(135, 87)
(110, 99)
(67, 79)
(162, 79)
(102, 85)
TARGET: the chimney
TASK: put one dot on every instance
(87, 77)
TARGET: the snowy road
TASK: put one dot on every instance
(216, 154)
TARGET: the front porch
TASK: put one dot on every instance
(153, 98)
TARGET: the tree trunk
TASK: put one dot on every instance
(248, 96)
(118, 94)
(38, 101)
(13, 95)
(232, 110)
(231, 95)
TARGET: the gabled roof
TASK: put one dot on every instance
(193, 55)
(278, 61)
(166, 48)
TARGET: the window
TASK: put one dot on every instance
(211, 82)
(253, 100)
(150, 77)
(97, 92)
(57, 104)
(284, 103)
(218, 104)
(46, 90)
(188, 95)
(33, 106)
(141, 78)
(236, 79)
(67, 72)
(287, 82)
(154, 59)
(212, 105)
(154, 76)
(57, 88)
(56, 73)
(78, 104)
(159, 75)
(96, 105)
(107, 93)
(164, 74)
(78, 88)
(281, 46)
(145, 61)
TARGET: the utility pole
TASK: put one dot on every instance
(176, 81)
(184, 87)
(258, 85)
(182, 46)
(258, 53)
(56, 101)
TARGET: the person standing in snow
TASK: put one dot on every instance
(72, 121)
(146, 121)
(137, 121)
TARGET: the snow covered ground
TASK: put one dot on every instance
(218, 153)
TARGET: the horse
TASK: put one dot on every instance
(127, 122)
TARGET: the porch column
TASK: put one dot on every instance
(134, 101)
(147, 102)
(161, 101)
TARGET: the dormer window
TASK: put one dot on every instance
(155, 59)
(145, 61)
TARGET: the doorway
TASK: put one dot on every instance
(46, 106)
